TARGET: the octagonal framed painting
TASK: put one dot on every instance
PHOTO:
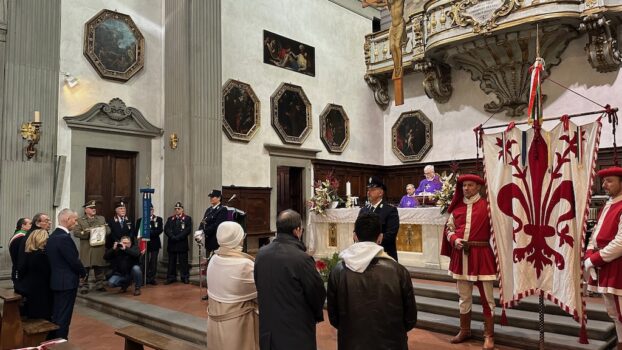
(291, 113)
(240, 111)
(412, 136)
(334, 128)
(114, 45)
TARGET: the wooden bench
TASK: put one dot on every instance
(11, 335)
(136, 337)
(15, 332)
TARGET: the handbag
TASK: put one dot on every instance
(98, 236)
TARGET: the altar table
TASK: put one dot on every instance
(418, 239)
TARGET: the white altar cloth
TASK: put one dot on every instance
(430, 219)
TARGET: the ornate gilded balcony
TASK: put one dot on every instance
(495, 41)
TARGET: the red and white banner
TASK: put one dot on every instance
(539, 187)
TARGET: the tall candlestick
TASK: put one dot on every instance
(348, 189)
(37, 117)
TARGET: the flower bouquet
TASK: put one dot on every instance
(325, 265)
(445, 195)
(325, 193)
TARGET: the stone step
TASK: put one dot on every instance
(595, 311)
(597, 330)
(173, 323)
(521, 338)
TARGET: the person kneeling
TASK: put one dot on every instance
(123, 258)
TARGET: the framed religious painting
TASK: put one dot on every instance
(114, 45)
(411, 136)
(334, 128)
(290, 54)
(291, 113)
(240, 111)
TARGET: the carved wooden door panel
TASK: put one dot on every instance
(110, 177)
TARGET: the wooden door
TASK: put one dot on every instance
(111, 177)
(289, 189)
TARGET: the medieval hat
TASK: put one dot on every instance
(215, 193)
(375, 182)
(179, 205)
(90, 204)
(611, 171)
(458, 194)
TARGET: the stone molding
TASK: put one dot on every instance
(114, 117)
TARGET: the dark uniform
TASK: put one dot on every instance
(120, 227)
(213, 217)
(153, 246)
(389, 218)
(177, 229)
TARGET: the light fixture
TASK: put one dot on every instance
(70, 80)
(31, 132)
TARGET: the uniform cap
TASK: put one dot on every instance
(179, 205)
(375, 182)
(90, 204)
(215, 193)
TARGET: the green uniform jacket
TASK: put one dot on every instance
(90, 256)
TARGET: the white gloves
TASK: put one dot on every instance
(590, 269)
(198, 236)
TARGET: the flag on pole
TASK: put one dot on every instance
(539, 209)
(534, 110)
(142, 243)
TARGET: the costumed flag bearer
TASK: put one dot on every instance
(603, 264)
(467, 244)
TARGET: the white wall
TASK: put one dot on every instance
(338, 36)
(144, 91)
(453, 122)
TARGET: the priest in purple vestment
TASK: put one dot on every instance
(409, 201)
(431, 183)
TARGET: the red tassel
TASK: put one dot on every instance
(583, 334)
(504, 318)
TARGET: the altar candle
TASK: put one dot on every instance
(37, 117)
(348, 189)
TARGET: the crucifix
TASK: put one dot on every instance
(397, 41)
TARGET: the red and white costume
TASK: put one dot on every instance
(469, 221)
(605, 252)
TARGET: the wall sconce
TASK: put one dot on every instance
(172, 140)
(31, 132)
(70, 80)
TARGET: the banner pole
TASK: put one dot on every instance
(541, 323)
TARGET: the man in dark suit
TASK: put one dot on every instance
(120, 225)
(214, 216)
(66, 271)
(153, 246)
(389, 218)
(177, 229)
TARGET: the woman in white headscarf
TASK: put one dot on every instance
(233, 320)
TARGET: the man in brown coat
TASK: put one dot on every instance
(92, 250)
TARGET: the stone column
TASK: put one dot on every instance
(192, 105)
(30, 82)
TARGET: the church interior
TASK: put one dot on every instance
(265, 100)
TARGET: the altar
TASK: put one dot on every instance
(418, 239)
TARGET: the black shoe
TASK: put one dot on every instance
(170, 281)
(205, 297)
(123, 290)
(136, 291)
(186, 280)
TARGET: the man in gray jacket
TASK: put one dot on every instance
(370, 296)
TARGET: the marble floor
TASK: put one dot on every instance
(94, 330)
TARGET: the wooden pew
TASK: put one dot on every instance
(136, 337)
(15, 332)
(11, 335)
